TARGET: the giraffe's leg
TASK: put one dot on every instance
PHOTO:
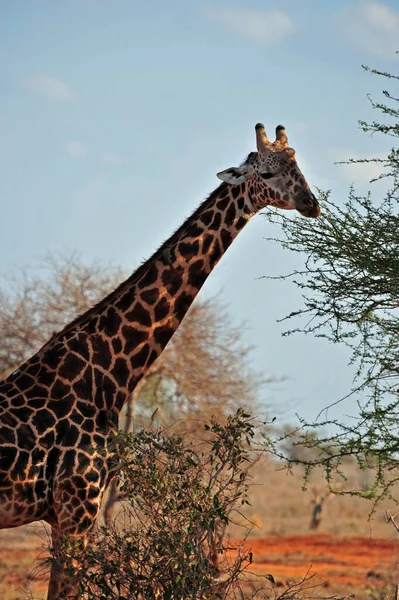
(76, 504)
(62, 585)
(76, 500)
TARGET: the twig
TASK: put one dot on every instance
(391, 519)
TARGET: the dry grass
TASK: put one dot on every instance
(280, 507)
(21, 550)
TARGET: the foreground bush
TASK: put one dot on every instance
(169, 540)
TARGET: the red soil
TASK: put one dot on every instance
(344, 563)
(18, 568)
(347, 564)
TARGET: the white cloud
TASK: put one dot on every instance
(76, 149)
(259, 26)
(371, 25)
(51, 87)
(111, 159)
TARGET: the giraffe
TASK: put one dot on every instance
(59, 410)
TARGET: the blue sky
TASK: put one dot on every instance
(116, 116)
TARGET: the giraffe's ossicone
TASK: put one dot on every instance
(59, 410)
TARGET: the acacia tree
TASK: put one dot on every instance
(350, 286)
(40, 301)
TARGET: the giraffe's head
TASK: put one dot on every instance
(273, 176)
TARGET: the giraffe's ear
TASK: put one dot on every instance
(234, 175)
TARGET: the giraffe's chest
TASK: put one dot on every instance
(21, 503)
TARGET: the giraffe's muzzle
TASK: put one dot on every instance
(311, 209)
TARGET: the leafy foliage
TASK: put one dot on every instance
(350, 286)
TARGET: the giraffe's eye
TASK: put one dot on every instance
(266, 175)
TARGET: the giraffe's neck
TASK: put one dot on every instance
(106, 351)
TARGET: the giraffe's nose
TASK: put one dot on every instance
(313, 212)
(312, 209)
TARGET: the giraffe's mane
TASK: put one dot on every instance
(138, 273)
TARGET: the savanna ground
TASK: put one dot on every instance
(349, 553)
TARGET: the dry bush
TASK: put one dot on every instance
(41, 301)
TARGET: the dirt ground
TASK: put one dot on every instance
(342, 565)
(352, 552)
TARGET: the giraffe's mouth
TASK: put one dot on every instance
(310, 207)
(311, 212)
